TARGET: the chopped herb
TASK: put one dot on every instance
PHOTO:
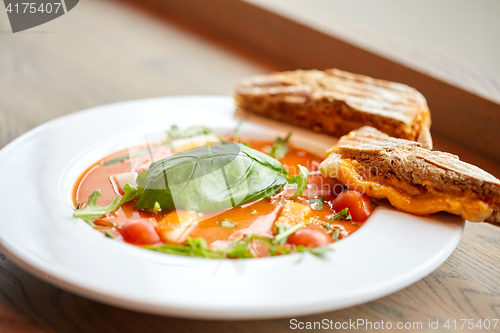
(357, 224)
(117, 160)
(175, 133)
(107, 234)
(335, 234)
(280, 148)
(227, 223)
(327, 226)
(239, 248)
(254, 211)
(93, 211)
(156, 207)
(317, 251)
(317, 203)
(195, 247)
(127, 156)
(300, 180)
(343, 215)
(200, 130)
(284, 231)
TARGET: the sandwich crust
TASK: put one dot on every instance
(336, 102)
(413, 178)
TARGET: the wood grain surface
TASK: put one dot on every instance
(103, 52)
(295, 45)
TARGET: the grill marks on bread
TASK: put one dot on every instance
(336, 102)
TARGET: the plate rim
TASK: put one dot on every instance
(10, 249)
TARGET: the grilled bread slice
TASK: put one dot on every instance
(414, 179)
(335, 102)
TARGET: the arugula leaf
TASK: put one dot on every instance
(335, 234)
(300, 180)
(317, 251)
(199, 130)
(195, 247)
(280, 147)
(210, 178)
(343, 215)
(93, 211)
(173, 133)
(239, 248)
(317, 203)
(284, 231)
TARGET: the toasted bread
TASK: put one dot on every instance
(335, 102)
(412, 178)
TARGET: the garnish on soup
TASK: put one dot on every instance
(204, 195)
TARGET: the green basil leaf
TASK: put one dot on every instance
(300, 180)
(210, 178)
(93, 211)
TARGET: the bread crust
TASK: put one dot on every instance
(336, 102)
(419, 168)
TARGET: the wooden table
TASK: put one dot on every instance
(105, 52)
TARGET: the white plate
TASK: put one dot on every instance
(37, 231)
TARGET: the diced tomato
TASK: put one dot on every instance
(310, 237)
(140, 232)
(260, 249)
(319, 186)
(360, 206)
(314, 166)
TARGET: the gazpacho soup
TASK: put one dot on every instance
(201, 194)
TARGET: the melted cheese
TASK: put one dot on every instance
(404, 196)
